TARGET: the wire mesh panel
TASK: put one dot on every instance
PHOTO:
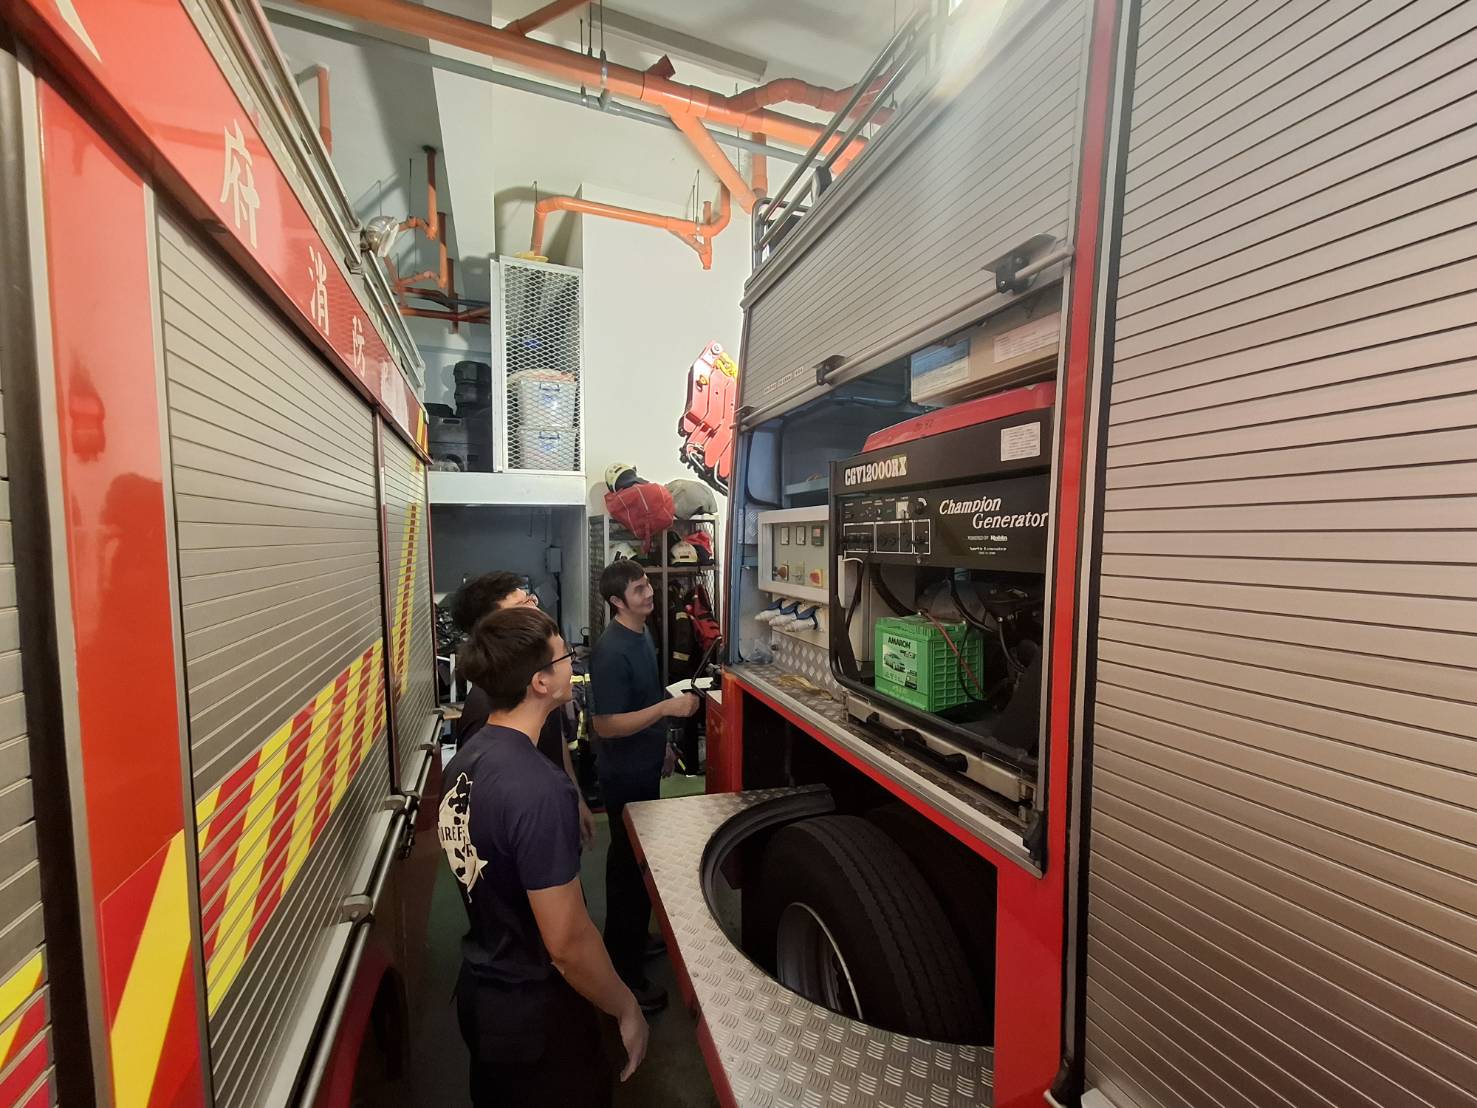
(541, 319)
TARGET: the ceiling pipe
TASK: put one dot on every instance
(759, 172)
(570, 66)
(319, 74)
(791, 90)
(715, 159)
(478, 72)
(547, 14)
(697, 235)
(415, 222)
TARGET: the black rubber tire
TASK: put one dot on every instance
(964, 885)
(906, 963)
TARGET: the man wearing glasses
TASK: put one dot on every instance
(494, 592)
(534, 968)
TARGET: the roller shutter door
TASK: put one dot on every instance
(282, 604)
(1282, 905)
(412, 652)
(25, 1017)
(905, 249)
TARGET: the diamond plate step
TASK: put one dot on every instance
(773, 1048)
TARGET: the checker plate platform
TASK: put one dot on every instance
(774, 1048)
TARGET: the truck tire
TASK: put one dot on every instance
(843, 918)
(964, 885)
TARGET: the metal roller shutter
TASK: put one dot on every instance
(282, 604)
(412, 652)
(903, 254)
(1281, 900)
(25, 1017)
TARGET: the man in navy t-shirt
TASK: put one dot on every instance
(474, 600)
(534, 969)
(631, 709)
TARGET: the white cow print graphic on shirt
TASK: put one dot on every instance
(453, 827)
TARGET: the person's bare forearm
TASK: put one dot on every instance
(586, 966)
(629, 723)
(569, 766)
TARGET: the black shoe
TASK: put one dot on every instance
(652, 998)
(656, 946)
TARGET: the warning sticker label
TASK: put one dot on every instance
(1019, 442)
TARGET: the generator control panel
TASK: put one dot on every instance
(983, 525)
(967, 498)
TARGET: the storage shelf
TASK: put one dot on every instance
(509, 488)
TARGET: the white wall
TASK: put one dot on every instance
(650, 308)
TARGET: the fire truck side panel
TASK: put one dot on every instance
(285, 664)
(115, 623)
(1280, 870)
(408, 575)
(25, 1002)
(896, 257)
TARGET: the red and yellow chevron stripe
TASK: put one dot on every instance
(23, 1055)
(256, 827)
(403, 616)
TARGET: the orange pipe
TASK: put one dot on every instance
(791, 90)
(714, 158)
(428, 225)
(699, 236)
(547, 14)
(325, 107)
(571, 66)
(759, 171)
(476, 315)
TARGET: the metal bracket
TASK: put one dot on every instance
(395, 802)
(1008, 267)
(355, 909)
(827, 367)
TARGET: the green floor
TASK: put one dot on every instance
(673, 1074)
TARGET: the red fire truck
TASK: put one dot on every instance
(1097, 722)
(218, 681)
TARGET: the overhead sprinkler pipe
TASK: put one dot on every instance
(427, 225)
(715, 159)
(697, 235)
(791, 90)
(571, 66)
(319, 74)
(547, 14)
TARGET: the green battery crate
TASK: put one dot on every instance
(914, 663)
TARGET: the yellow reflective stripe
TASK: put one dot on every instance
(19, 987)
(302, 816)
(205, 808)
(340, 781)
(137, 1034)
(246, 876)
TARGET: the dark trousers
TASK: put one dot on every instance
(533, 1046)
(627, 905)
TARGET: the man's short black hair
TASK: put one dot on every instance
(476, 598)
(505, 650)
(616, 578)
